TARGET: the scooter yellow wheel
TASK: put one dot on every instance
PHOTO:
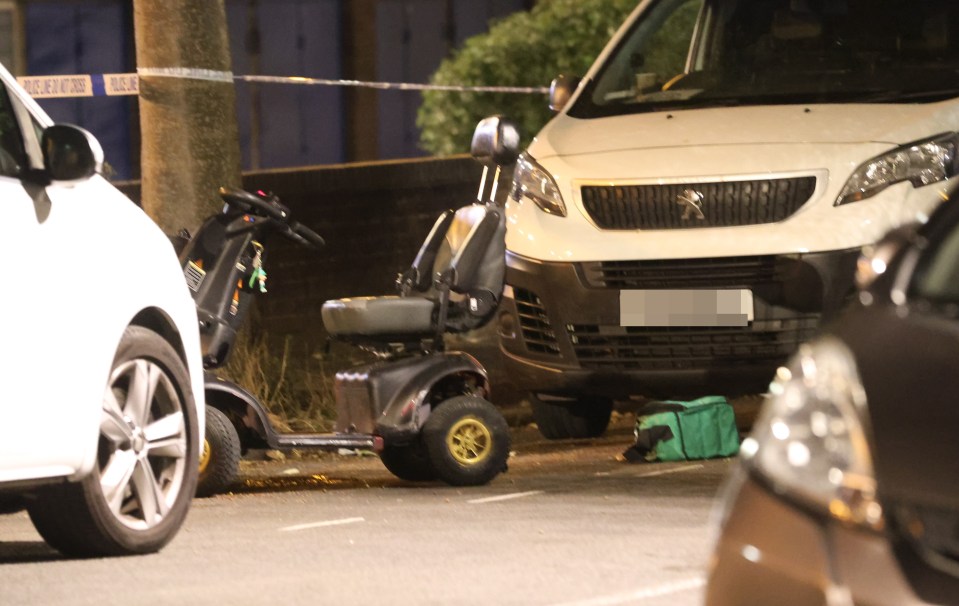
(220, 459)
(469, 441)
(205, 456)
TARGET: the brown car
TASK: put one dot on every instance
(847, 490)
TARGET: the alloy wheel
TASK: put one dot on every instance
(143, 444)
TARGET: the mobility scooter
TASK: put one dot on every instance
(423, 409)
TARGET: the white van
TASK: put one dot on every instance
(697, 206)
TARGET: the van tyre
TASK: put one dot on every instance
(11, 503)
(220, 459)
(468, 441)
(409, 462)
(143, 481)
(563, 419)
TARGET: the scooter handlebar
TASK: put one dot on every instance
(311, 241)
(279, 215)
(310, 237)
(269, 207)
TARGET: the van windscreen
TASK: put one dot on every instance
(714, 53)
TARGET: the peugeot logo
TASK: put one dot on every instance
(692, 203)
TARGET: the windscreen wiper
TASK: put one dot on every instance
(899, 96)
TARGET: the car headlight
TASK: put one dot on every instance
(810, 443)
(920, 163)
(533, 182)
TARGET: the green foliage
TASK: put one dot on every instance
(524, 49)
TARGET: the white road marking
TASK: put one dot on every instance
(642, 594)
(663, 472)
(505, 497)
(321, 524)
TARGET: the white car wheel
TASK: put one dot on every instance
(140, 489)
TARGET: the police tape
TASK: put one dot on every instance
(110, 85)
(80, 85)
(393, 85)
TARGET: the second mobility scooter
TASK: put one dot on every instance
(423, 409)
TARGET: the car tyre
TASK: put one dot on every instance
(408, 462)
(468, 441)
(586, 417)
(220, 458)
(139, 492)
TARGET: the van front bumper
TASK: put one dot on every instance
(559, 323)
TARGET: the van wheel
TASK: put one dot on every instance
(220, 459)
(561, 419)
(11, 503)
(408, 462)
(468, 441)
(142, 483)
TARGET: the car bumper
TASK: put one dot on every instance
(559, 323)
(771, 552)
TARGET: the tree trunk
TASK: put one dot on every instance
(190, 142)
(359, 50)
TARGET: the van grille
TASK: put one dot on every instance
(724, 272)
(537, 332)
(615, 348)
(724, 204)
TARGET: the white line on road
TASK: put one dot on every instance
(505, 497)
(663, 472)
(321, 524)
(642, 594)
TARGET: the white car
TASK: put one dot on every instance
(101, 382)
(696, 208)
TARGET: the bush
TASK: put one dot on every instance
(524, 49)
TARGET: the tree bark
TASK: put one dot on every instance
(359, 51)
(190, 141)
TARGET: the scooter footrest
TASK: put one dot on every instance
(326, 441)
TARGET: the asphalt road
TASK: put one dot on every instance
(568, 524)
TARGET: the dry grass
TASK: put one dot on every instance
(294, 383)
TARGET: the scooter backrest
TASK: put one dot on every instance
(495, 142)
(420, 274)
(473, 255)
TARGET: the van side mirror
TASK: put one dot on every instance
(561, 89)
(70, 153)
(495, 142)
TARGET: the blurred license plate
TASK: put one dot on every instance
(732, 307)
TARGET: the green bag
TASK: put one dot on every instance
(680, 431)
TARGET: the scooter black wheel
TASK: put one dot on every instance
(220, 459)
(408, 462)
(468, 441)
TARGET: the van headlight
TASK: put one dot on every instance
(920, 163)
(809, 443)
(532, 182)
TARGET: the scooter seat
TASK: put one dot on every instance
(379, 316)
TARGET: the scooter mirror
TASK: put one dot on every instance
(495, 142)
